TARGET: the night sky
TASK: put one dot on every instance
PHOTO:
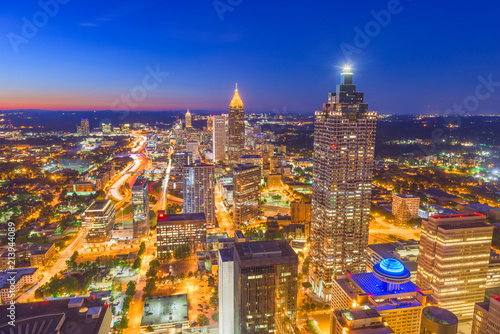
(284, 55)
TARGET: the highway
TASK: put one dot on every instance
(114, 190)
(164, 197)
(225, 221)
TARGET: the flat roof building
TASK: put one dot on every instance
(165, 312)
(77, 316)
(359, 320)
(454, 259)
(265, 287)
(176, 230)
(246, 193)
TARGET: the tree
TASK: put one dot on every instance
(203, 320)
(149, 288)
(215, 317)
(130, 288)
(305, 265)
(214, 301)
(142, 249)
(137, 263)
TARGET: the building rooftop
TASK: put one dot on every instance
(163, 218)
(139, 182)
(440, 315)
(459, 215)
(55, 316)
(226, 254)
(465, 225)
(251, 156)
(375, 287)
(261, 253)
(406, 196)
(165, 310)
(19, 272)
(98, 205)
(242, 167)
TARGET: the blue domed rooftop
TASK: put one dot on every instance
(391, 269)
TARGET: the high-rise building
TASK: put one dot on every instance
(177, 230)
(192, 148)
(187, 119)
(253, 159)
(84, 126)
(388, 291)
(106, 128)
(436, 320)
(246, 192)
(210, 124)
(344, 144)
(98, 221)
(236, 142)
(226, 291)
(140, 207)
(359, 320)
(265, 287)
(219, 138)
(405, 207)
(199, 191)
(453, 260)
(487, 317)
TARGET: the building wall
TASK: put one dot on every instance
(226, 297)
(344, 145)
(219, 138)
(246, 194)
(199, 191)
(405, 208)
(454, 259)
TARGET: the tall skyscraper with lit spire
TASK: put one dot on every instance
(236, 140)
(187, 119)
(344, 145)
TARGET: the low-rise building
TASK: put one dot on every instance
(63, 315)
(13, 280)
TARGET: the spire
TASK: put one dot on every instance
(236, 102)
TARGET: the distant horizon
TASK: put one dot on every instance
(217, 112)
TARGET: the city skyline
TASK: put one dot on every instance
(205, 54)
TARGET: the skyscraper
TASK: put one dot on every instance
(199, 188)
(219, 138)
(85, 128)
(226, 291)
(265, 287)
(453, 260)
(187, 119)
(236, 143)
(210, 123)
(344, 144)
(246, 192)
(140, 207)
